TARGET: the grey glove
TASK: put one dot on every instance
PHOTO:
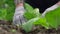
(18, 18)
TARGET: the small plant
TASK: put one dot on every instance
(34, 18)
(30, 12)
(51, 20)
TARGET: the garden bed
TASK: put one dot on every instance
(10, 29)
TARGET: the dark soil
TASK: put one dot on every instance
(6, 27)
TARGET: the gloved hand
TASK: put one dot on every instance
(50, 9)
(18, 18)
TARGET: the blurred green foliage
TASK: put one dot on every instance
(29, 24)
(7, 8)
(30, 12)
(53, 18)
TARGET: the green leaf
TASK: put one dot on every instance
(28, 7)
(3, 14)
(32, 14)
(36, 12)
(53, 18)
(10, 13)
(28, 13)
(28, 26)
(35, 21)
(42, 22)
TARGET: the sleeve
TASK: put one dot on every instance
(49, 9)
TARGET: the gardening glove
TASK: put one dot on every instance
(50, 9)
(18, 18)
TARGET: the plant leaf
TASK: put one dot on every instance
(28, 26)
(3, 14)
(28, 7)
(53, 17)
(32, 14)
(42, 22)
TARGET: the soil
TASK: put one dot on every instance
(6, 28)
